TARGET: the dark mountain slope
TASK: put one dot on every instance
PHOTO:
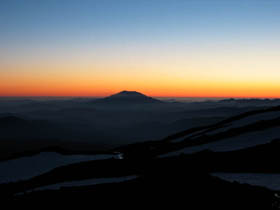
(249, 122)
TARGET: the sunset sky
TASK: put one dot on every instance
(190, 48)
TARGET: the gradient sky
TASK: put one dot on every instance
(196, 48)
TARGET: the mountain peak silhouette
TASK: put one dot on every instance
(126, 93)
(129, 92)
(129, 97)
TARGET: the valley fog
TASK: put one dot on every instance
(97, 123)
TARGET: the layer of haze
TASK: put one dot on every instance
(159, 47)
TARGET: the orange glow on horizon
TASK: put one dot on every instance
(74, 91)
(202, 75)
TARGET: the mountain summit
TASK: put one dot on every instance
(128, 94)
(129, 97)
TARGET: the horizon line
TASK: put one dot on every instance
(96, 96)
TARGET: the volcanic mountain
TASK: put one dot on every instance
(129, 97)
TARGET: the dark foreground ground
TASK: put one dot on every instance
(172, 182)
(176, 183)
(192, 191)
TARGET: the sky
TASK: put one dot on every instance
(172, 48)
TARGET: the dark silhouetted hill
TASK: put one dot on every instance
(128, 97)
(8, 121)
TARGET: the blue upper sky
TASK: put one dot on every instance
(113, 21)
